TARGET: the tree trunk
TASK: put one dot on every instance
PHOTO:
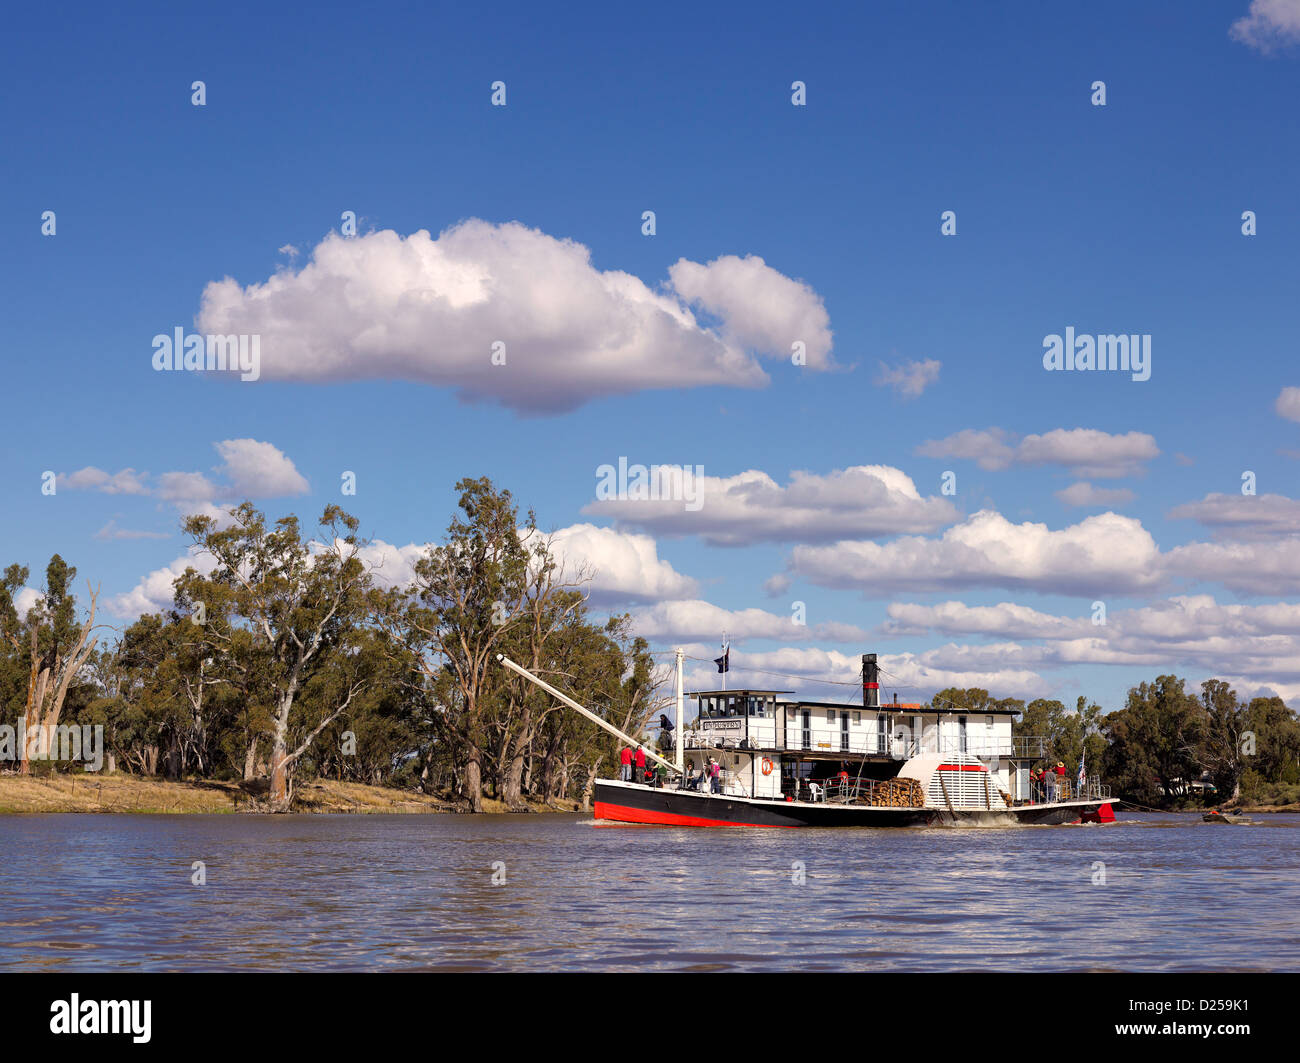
(279, 774)
(513, 792)
(474, 778)
(250, 760)
(590, 785)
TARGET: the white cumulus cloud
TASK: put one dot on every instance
(430, 309)
(865, 500)
(1106, 552)
(1086, 452)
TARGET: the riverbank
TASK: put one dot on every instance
(118, 793)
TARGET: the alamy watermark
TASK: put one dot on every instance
(651, 483)
(208, 353)
(1124, 354)
(64, 742)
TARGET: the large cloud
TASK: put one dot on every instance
(865, 500)
(430, 310)
(1104, 553)
(1084, 451)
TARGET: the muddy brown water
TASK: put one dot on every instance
(559, 892)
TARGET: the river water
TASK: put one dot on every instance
(413, 892)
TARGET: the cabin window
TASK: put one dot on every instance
(857, 717)
(830, 715)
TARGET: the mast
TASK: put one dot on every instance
(681, 697)
(585, 712)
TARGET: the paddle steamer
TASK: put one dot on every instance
(787, 762)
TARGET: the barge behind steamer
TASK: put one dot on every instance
(792, 763)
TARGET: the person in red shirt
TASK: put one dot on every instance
(625, 764)
(639, 761)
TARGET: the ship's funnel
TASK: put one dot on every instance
(870, 682)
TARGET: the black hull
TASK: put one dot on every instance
(633, 803)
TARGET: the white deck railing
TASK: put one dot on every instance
(831, 740)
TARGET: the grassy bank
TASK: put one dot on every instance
(84, 792)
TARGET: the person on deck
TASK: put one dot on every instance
(1060, 780)
(625, 764)
(715, 775)
(639, 761)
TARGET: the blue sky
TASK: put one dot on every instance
(1123, 218)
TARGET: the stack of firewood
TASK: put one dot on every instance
(898, 793)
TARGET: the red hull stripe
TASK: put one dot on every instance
(623, 814)
(961, 767)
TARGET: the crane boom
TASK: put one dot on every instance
(584, 711)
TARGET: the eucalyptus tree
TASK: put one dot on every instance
(1221, 749)
(464, 599)
(13, 658)
(305, 600)
(58, 647)
(553, 611)
(1151, 742)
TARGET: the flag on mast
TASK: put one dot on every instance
(724, 662)
(1082, 773)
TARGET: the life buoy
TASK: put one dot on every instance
(767, 766)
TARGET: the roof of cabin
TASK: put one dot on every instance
(746, 690)
(889, 706)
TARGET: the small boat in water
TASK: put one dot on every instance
(1215, 816)
(760, 758)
